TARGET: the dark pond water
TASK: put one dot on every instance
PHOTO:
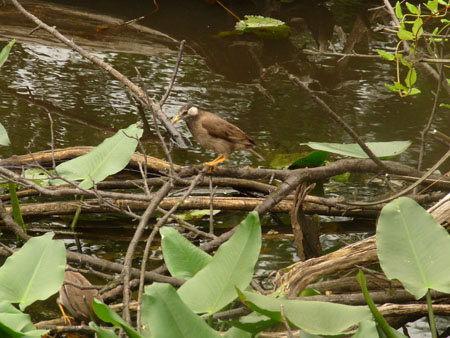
(88, 105)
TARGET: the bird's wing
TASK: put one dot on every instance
(217, 127)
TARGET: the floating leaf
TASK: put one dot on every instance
(382, 150)
(263, 27)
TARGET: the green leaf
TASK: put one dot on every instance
(405, 35)
(213, 287)
(14, 323)
(110, 157)
(35, 272)
(398, 10)
(263, 27)
(414, 91)
(391, 88)
(367, 329)
(386, 55)
(413, 247)
(283, 161)
(445, 105)
(195, 215)
(383, 324)
(432, 5)
(37, 175)
(342, 177)
(182, 258)
(101, 332)
(109, 316)
(17, 215)
(411, 77)
(413, 9)
(4, 139)
(417, 28)
(320, 318)
(254, 322)
(235, 332)
(312, 159)
(165, 315)
(5, 52)
(382, 150)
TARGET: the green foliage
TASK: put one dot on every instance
(109, 316)
(37, 175)
(283, 161)
(165, 314)
(101, 332)
(17, 215)
(263, 27)
(182, 258)
(15, 324)
(195, 215)
(110, 157)
(312, 159)
(319, 318)
(412, 24)
(381, 322)
(232, 266)
(35, 272)
(5, 52)
(4, 139)
(383, 150)
(413, 247)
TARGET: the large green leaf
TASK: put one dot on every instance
(182, 258)
(413, 247)
(14, 323)
(110, 157)
(5, 52)
(167, 316)
(234, 332)
(383, 150)
(35, 272)
(232, 266)
(312, 159)
(320, 318)
(109, 316)
(101, 332)
(4, 139)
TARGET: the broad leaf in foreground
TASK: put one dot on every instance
(14, 323)
(232, 266)
(413, 248)
(35, 272)
(165, 315)
(183, 259)
(320, 318)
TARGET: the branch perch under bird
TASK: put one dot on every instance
(213, 132)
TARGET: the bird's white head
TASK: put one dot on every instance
(186, 112)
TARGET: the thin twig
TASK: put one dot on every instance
(174, 74)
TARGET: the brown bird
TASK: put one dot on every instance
(215, 133)
(77, 301)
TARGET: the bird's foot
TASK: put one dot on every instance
(65, 316)
(212, 167)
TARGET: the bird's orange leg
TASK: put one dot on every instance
(212, 165)
(65, 316)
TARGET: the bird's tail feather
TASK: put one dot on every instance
(253, 151)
